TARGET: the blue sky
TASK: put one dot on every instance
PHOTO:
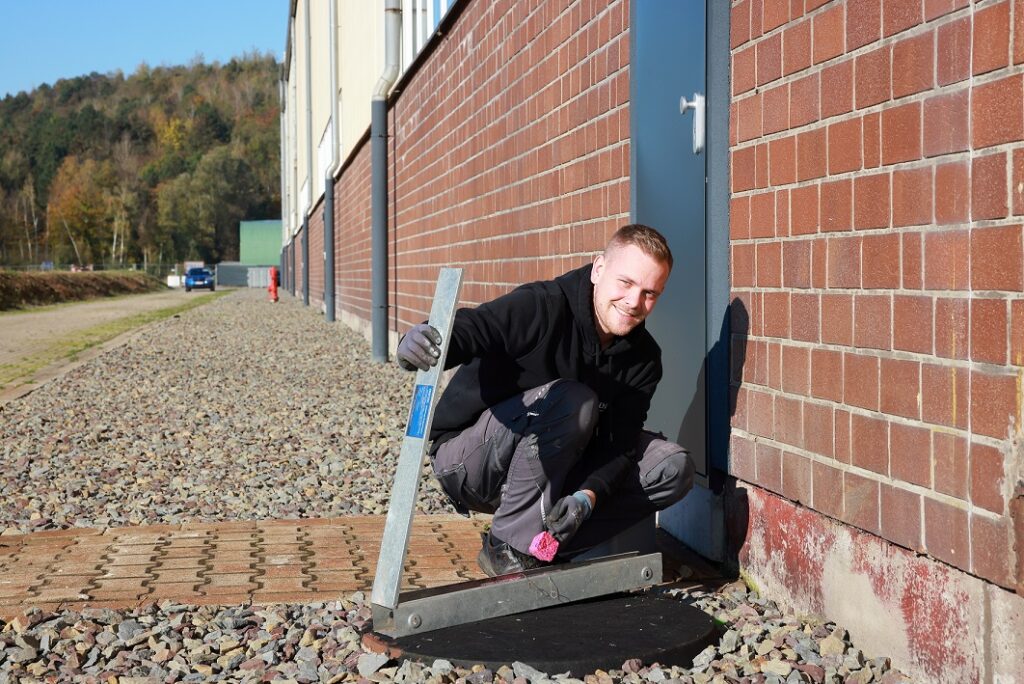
(42, 41)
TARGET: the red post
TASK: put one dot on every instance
(272, 288)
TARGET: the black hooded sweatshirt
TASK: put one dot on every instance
(545, 331)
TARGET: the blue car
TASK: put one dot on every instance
(198, 277)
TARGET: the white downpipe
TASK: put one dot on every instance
(332, 168)
(308, 199)
(392, 48)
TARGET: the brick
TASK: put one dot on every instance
(900, 15)
(796, 264)
(870, 439)
(742, 265)
(776, 314)
(837, 319)
(901, 133)
(1017, 332)
(945, 395)
(934, 9)
(742, 169)
(872, 140)
(997, 112)
(844, 146)
(912, 323)
(991, 38)
(829, 34)
(761, 418)
(912, 196)
(828, 489)
(996, 254)
(953, 45)
(775, 115)
(988, 187)
(873, 77)
(739, 24)
(811, 155)
(769, 264)
(844, 262)
(1017, 187)
(739, 218)
(952, 327)
(901, 516)
(952, 193)
(769, 467)
(946, 260)
(819, 430)
(827, 374)
(913, 68)
(988, 475)
(945, 532)
(837, 81)
(863, 22)
(741, 459)
(949, 457)
(796, 369)
(872, 321)
(913, 261)
(991, 550)
(773, 357)
(881, 261)
(910, 454)
(901, 388)
(819, 263)
(774, 14)
(749, 112)
(769, 59)
(796, 47)
(994, 404)
(744, 70)
(871, 201)
(842, 419)
(988, 330)
(946, 123)
(860, 381)
(836, 205)
(805, 325)
(861, 502)
(242, 581)
(761, 166)
(789, 421)
(796, 478)
(804, 101)
(762, 215)
(804, 217)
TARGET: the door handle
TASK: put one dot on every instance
(697, 105)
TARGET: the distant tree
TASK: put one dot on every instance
(78, 211)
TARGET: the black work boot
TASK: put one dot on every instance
(498, 558)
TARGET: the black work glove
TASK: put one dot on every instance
(418, 349)
(567, 515)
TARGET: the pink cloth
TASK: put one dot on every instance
(544, 547)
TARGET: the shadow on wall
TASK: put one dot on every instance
(721, 375)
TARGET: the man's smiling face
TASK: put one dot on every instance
(627, 283)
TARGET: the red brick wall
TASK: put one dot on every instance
(316, 256)
(877, 169)
(510, 151)
(352, 237)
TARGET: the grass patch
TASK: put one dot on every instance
(33, 288)
(71, 346)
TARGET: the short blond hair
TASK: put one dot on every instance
(650, 241)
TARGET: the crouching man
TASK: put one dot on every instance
(542, 423)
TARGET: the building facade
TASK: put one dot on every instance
(842, 182)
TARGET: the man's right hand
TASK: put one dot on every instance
(419, 348)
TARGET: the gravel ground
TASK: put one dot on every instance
(216, 415)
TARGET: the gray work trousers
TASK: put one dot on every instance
(528, 451)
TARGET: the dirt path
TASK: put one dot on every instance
(38, 344)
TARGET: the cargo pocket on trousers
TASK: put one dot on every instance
(452, 481)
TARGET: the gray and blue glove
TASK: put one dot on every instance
(419, 348)
(567, 515)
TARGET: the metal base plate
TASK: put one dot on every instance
(456, 604)
(578, 638)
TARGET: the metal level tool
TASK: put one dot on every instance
(430, 609)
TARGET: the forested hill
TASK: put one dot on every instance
(158, 166)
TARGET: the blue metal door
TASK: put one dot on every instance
(669, 176)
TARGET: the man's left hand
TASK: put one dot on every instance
(568, 515)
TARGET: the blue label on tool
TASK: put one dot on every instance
(420, 411)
